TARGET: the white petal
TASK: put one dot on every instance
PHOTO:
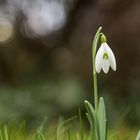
(104, 45)
(112, 60)
(105, 66)
(98, 59)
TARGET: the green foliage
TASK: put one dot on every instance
(97, 119)
(81, 125)
(138, 136)
(102, 120)
(4, 135)
(67, 131)
(92, 116)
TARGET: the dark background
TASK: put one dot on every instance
(50, 74)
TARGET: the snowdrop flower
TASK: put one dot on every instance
(104, 57)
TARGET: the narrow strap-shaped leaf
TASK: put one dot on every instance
(138, 136)
(92, 128)
(93, 118)
(41, 136)
(102, 119)
(89, 119)
(81, 125)
(1, 137)
(6, 133)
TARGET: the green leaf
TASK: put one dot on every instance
(92, 117)
(138, 136)
(102, 119)
(39, 133)
(6, 133)
(81, 125)
(1, 137)
(88, 117)
(60, 127)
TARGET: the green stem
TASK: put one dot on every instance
(94, 48)
(95, 90)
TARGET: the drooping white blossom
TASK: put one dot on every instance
(105, 58)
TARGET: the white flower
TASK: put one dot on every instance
(105, 58)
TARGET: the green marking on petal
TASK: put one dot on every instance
(105, 56)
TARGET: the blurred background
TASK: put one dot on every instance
(46, 63)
